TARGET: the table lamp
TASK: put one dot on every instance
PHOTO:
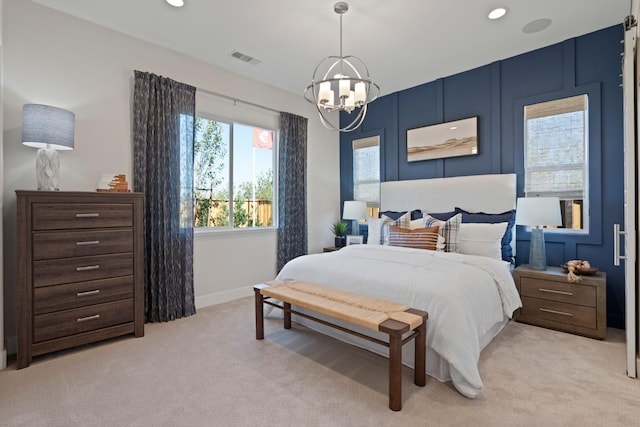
(48, 129)
(537, 212)
(354, 210)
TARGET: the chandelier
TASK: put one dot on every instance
(341, 83)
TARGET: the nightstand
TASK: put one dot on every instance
(331, 249)
(550, 301)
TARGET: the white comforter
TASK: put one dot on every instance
(468, 299)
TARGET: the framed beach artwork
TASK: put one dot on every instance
(451, 139)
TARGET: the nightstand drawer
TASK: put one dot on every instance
(578, 315)
(550, 301)
(81, 269)
(48, 299)
(558, 291)
(58, 216)
(69, 322)
(67, 244)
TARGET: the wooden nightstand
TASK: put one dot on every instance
(549, 300)
(331, 249)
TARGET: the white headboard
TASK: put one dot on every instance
(475, 193)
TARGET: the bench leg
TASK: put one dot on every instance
(259, 314)
(420, 359)
(287, 315)
(395, 372)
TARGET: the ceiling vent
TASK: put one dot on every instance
(245, 58)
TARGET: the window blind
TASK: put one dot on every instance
(555, 148)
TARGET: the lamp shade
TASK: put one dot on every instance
(538, 211)
(43, 125)
(354, 210)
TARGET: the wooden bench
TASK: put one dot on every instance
(396, 320)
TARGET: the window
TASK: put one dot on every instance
(366, 173)
(234, 167)
(556, 156)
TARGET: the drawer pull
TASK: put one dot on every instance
(84, 319)
(546, 310)
(551, 291)
(88, 268)
(87, 215)
(88, 242)
(84, 294)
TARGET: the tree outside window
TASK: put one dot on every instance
(233, 175)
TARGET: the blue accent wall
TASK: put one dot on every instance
(496, 94)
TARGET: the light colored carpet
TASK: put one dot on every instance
(209, 370)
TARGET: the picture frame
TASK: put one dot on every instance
(450, 139)
(355, 240)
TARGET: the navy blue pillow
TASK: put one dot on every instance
(485, 218)
(394, 215)
(442, 216)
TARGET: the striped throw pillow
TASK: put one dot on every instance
(404, 221)
(419, 238)
(449, 229)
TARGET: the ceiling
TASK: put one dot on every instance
(403, 42)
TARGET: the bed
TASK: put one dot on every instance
(469, 296)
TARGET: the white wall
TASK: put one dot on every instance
(3, 348)
(55, 59)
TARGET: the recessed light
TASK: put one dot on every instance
(497, 13)
(176, 3)
(453, 128)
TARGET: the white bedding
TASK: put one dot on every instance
(468, 298)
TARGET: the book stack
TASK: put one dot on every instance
(118, 183)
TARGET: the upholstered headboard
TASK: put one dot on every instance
(476, 193)
(487, 193)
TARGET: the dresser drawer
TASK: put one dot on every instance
(558, 291)
(58, 216)
(48, 299)
(578, 315)
(67, 244)
(69, 322)
(81, 269)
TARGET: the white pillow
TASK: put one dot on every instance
(374, 225)
(481, 239)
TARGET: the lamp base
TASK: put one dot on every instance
(355, 227)
(47, 169)
(537, 253)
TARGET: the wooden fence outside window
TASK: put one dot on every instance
(215, 213)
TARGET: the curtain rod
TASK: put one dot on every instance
(236, 100)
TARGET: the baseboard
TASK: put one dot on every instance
(222, 297)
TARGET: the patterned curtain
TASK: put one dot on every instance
(163, 134)
(292, 188)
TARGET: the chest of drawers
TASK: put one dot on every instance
(549, 300)
(80, 269)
